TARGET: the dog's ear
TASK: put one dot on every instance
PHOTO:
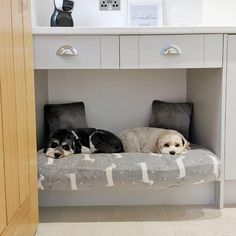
(185, 143)
(46, 146)
(77, 146)
(158, 145)
(159, 142)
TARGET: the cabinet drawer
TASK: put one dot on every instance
(171, 51)
(67, 52)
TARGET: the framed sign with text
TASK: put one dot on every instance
(145, 13)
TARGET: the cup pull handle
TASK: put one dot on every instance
(171, 50)
(67, 50)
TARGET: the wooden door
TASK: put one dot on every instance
(30, 91)
(21, 99)
(3, 213)
(18, 172)
(9, 118)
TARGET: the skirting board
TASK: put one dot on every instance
(230, 192)
(189, 195)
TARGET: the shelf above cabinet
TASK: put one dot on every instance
(134, 30)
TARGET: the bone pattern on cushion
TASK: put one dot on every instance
(127, 170)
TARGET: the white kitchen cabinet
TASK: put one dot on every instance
(171, 51)
(67, 52)
(110, 58)
(129, 52)
(213, 50)
(180, 51)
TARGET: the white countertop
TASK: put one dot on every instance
(133, 30)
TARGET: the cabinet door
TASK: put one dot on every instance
(21, 109)
(17, 123)
(9, 118)
(29, 76)
(230, 156)
(3, 213)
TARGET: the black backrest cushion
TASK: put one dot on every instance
(176, 116)
(65, 116)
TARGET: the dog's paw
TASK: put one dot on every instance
(85, 150)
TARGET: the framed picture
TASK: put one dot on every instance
(145, 13)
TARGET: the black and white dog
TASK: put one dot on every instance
(87, 140)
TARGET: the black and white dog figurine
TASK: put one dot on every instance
(87, 140)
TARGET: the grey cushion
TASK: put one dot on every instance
(127, 170)
(65, 116)
(175, 116)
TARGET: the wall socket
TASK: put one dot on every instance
(109, 5)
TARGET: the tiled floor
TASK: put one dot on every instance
(137, 221)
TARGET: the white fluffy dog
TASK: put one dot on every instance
(156, 140)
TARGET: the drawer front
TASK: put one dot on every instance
(171, 51)
(213, 53)
(129, 52)
(67, 52)
(110, 58)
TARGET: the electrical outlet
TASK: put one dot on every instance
(109, 5)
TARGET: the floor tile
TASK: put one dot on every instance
(190, 213)
(113, 214)
(115, 229)
(50, 214)
(138, 221)
(111, 220)
(158, 228)
(47, 229)
(205, 221)
(79, 229)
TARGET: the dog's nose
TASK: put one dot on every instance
(57, 155)
(172, 152)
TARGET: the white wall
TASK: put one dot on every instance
(218, 12)
(206, 125)
(116, 99)
(86, 13)
(175, 12)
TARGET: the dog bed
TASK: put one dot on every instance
(127, 170)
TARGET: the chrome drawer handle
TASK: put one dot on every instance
(67, 50)
(171, 50)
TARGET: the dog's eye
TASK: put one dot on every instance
(54, 145)
(66, 147)
(166, 145)
(177, 145)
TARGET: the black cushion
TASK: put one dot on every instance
(176, 116)
(65, 116)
